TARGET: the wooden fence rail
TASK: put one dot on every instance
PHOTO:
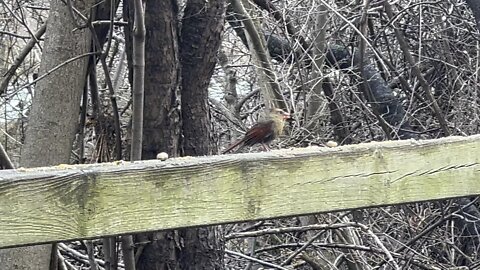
(85, 201)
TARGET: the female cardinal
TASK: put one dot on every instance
(264, 131)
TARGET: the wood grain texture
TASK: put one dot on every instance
(70, 202)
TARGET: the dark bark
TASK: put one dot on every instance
(161, 126)
(187, 248)
(203, 249)
(161, 130)
(202, 27)
(161, 252)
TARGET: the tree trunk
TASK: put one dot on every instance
(161, 126)
(202, 27)
(51, 131)
(161, 130)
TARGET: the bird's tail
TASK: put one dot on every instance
(233, 146)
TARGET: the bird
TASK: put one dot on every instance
(263, 132)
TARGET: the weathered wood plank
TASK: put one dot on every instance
(71, 202)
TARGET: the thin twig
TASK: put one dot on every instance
(64, 264)
(255, 260)
(80, 256)
(20, 58)
(242, 101)
(33, 35)
(416, 71)
(47, 73)
(291, 229)
(298, 251)
(380, 244)
(113, 97)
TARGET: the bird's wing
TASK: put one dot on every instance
(262, 132)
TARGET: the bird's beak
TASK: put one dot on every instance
(286, 116)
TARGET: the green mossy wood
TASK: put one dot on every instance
(71, 202)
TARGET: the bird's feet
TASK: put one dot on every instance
(265, 147)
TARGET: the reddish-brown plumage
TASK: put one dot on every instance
(263, 132)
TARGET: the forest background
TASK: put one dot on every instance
(348, 71)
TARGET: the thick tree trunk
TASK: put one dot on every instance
(161, 114)
(161, 126)
(51, 130)
(202, 27)
(161, 130)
